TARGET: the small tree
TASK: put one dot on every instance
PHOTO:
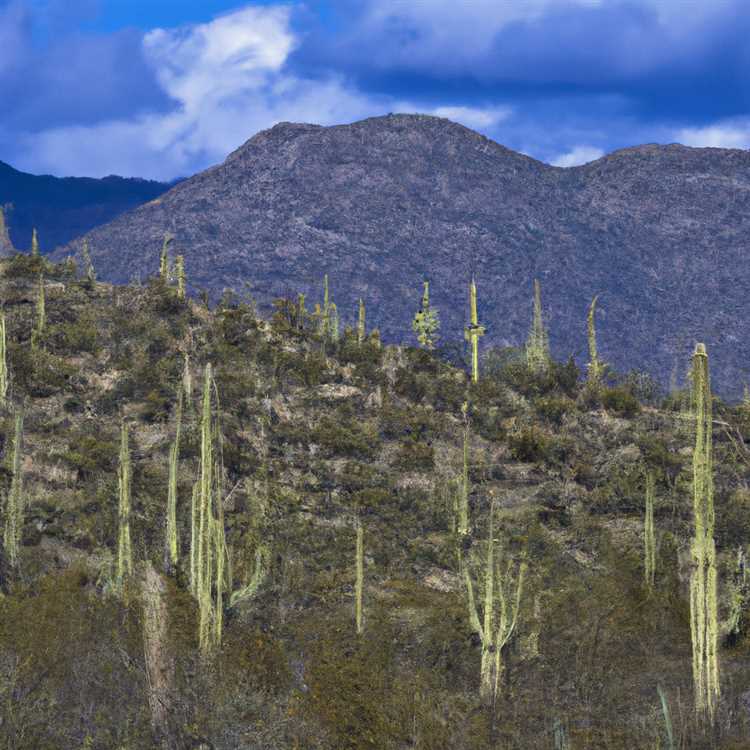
(426, 323)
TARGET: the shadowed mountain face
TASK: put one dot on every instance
(659, 232)
(62, 208)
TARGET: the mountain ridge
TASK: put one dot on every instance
(383, 203)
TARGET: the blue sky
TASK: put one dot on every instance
(165, 89)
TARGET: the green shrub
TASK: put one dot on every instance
(414, 456)
(620, 401)
(528, 444)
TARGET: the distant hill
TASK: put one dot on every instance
(659, 232)
(62, 208)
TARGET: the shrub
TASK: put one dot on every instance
(620, 401)
(528, 444)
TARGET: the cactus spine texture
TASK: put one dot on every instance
(426, 321)
(14, 499)
(34, 243)
(473, 331)
(124, 549)
(180, 270)
(359, 580)
(3, 362)
(703, 579)
(649, 536)
(500, 590)
(537, 345)
(41, 314)
(174, 455)
(595, 366)
(361, 331)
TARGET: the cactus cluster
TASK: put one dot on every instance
(502, 601)
(426, 323)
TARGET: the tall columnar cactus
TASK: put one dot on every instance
(180, 271)
(14, 503)
(88, 265)
(194, 511)
(333, 332)
(187, 378)
(649, 535)
(174, 455)
(6, 246)
(301, 312)
(703, 579)
(164, 261)
(34, 243)
(426, 323)
(41, 314)
(124, 474)
(473, 331)
(595, 366)
(503, 593)
(537, 345)
(462, 511)
(3, 362)
(359, 579)
(324, 312)
(361, 331)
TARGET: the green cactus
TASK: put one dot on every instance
(703, 579)
(174, 455)
(649, 536)
(6, 246)
(324, 312)
(124, 549)
(426, 323)
(462, 510)
(334, 323)
(180, 271)
(34, 243)
(41, 314)
(248, 591)
(537, 345)
(87, 263)
(14, 501)
(473, 331)
(3, 362)
(164, 269)
(359, 579)
(595, 366)
(667, 718)
(194, 504)
(361, 331)
(301, 312)
(501, 592)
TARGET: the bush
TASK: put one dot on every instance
(620, 401)
(553, 408)
(528, 444)
(415, 456)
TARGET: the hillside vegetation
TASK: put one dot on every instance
(349, 494)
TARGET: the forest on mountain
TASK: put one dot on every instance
(229, 530)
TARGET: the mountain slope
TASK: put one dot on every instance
(62, 208)
(657, 231)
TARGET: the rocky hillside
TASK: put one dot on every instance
(62, 208)
(313, 436)
(657, 231)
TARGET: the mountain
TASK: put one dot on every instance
(658, 232)
(62, 208)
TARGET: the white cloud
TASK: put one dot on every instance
(226, 78)
(473, 117)
(729, 134)
(577, 156)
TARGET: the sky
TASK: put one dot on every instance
(164, 89)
